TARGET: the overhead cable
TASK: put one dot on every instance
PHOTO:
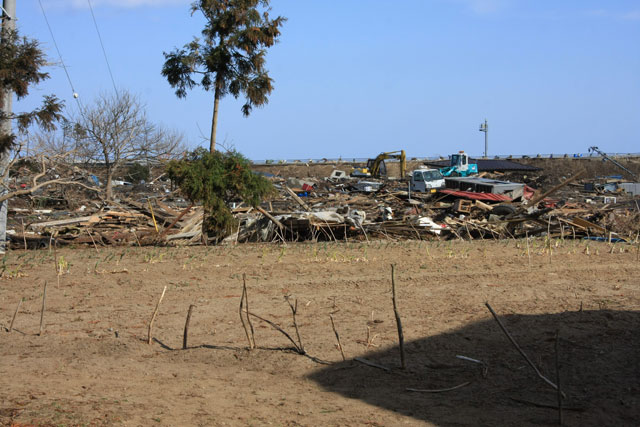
(102, 45)
(73, 90)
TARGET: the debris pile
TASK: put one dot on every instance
(340, 207)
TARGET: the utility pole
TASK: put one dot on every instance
(484, 127)
(8, 24)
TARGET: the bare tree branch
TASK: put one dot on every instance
(116, 129)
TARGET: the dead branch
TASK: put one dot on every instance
(333, 325)
(37, 186)
(186, 327)
(44, 169)
(24, 236)
(485, 367)
(515, 344)
(294, 311)
(246, 304)
(153, 316)
(397, 315)
(372, 364)
(44, 303)
(15, 313)
(240, 310)
(93, 241)
(279, 329)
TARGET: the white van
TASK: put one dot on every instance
(426, 180)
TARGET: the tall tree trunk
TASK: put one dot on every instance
(214, 121)
(109, 184)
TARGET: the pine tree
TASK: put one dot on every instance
(21, 60)
(230, 58)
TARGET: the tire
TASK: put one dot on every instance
(503, 210)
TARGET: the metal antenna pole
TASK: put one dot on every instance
(484, 127)
(8, 24)
(486, 138)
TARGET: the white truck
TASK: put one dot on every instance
(426, 180)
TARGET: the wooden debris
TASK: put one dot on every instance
(334, 211)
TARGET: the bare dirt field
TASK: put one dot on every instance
(93, 366)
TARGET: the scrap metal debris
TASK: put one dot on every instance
(338, 207)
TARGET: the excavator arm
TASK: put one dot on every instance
(374, 164)
(605, 157)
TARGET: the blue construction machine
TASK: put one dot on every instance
(460, 166)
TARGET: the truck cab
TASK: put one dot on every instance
(426, 180)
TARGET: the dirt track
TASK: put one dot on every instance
(92, 365)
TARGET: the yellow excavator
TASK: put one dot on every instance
(376, 168)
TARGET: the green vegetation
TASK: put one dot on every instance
(138, 172)
(21, 60)
(217, 179)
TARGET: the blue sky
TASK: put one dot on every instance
(354, 78)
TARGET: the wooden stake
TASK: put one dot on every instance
(15, 313)
(186, 327)
(549, 238)
(240, 311)
(153, 317)
(44, 304)
(398, 320)
(58, 266)
(294, 311)
(560, 421)
(333, 325)
(515, 344)
(55, 261)
(137, 240)
(246, 304)
(24, 237)
(528, 253)
(93, 241)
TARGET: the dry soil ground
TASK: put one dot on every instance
(92, 365)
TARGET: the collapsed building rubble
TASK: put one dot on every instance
(342, 208)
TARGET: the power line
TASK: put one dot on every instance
(75, 95)
(102, 45)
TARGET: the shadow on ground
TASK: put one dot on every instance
(599, 357)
